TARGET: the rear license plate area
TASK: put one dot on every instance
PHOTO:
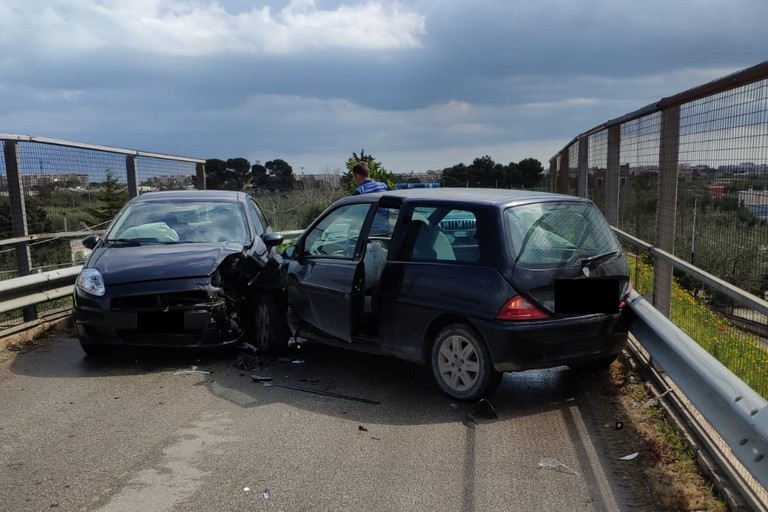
(587, 296)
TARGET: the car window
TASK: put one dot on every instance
(338, 232)
(441, 234)
(259, 223)
(558, 233)
(180, 222)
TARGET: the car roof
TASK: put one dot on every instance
(480, 196)
(207, 195)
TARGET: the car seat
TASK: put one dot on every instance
(428, 243)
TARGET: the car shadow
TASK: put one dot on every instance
(326, 380)
(374, 389)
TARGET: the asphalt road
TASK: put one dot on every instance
(155, 432)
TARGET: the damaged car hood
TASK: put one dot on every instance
(121, 265)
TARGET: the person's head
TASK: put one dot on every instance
(360, 172)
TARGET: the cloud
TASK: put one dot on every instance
(198, 28)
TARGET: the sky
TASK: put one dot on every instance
(419, 84)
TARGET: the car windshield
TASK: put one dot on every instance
(179, 222)
(557, 233)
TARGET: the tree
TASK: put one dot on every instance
(281, 175)
(232, 174)
(531, 172)
(377, 171)
(238, 172)
(260, 177)
(455, 176)
(112, 197)
(215, 173)
(484, 172)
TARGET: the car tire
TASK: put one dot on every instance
(92, 350)
(461, 363)
(269, 325)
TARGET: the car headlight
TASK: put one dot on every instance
(91, 282)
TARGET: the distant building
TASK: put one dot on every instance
(39, 180)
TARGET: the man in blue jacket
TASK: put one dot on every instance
(366, 185)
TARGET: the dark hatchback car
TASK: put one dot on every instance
(181, 269)
(475, 282)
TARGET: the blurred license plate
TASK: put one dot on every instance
(587, 296)
(167, 322)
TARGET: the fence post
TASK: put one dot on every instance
(582, 180)
(18, 216)
(612, 177)
(130, 175)
(563, 171)
(200, 176)
(553, 173)
(667, 206)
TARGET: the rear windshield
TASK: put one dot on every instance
(554, 234)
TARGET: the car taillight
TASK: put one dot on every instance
(517, 308)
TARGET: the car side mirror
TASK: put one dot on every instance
(272, 239)
(90, 241)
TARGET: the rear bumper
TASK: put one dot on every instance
(517, 346)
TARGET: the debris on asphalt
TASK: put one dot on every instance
(248, 361)
(246, 489)
(260, 378)
(654, 402)
(550, 463)
(619, 425)
(266, 494)
(297, 361)
(362, 428)
(323, 393)
(193, 371)
(629, 457)
(482, 410)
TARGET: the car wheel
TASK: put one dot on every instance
(461, 363)
(94, 350)
(269, 324)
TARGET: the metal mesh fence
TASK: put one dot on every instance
(63, 187)
(597, 164)
(693, 180)
(639, 166)
(573, 167)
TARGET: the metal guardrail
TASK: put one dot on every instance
(737, 413)
(21, 292)
(709, 391)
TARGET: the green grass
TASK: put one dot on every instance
(742, 353)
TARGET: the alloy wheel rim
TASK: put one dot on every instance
(458, 363)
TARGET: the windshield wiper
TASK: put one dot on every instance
(587, 263)
(124, 241)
